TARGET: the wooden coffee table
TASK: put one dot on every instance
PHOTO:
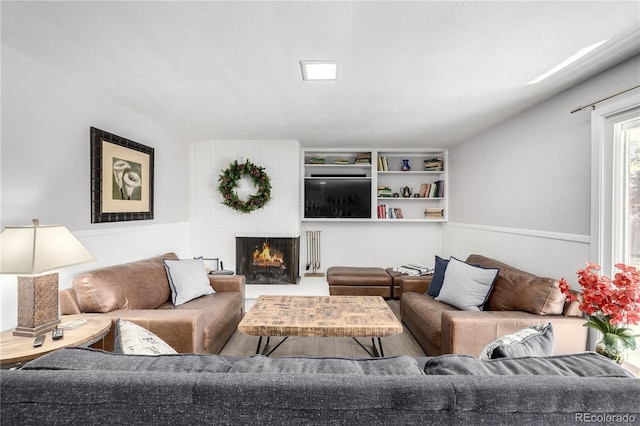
(321, 316)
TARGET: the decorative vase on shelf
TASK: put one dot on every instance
(405, 166)
(613, 349)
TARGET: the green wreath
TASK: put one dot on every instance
(229, 182)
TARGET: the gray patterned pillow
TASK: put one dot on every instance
(537, 340)
(132, 339)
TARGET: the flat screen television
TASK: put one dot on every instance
(347, 198)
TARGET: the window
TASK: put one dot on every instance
(616, 189)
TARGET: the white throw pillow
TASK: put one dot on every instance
(466, 286)
(132, 339)
(188, 280)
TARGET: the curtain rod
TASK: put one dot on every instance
(593, 104)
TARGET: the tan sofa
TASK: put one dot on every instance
(518, 300)
(139, 292)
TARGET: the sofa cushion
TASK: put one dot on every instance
(130, 338)
(466, 286)
(188, 280)
(390, 366)
(94, 359)
(417, 308)
(584, 364)
(516, 290)
(136, 285)
(531, 341)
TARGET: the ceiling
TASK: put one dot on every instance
(412, 73)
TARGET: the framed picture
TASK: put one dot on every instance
(121, 178)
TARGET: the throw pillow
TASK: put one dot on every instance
(188, 280)
(465, 286)
(438, 276)
(537, 340)
(132, 339)
(583, 364)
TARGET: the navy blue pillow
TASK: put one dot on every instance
(438, 276)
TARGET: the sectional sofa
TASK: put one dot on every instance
(83, 386)
(518, 299)
(140, 292)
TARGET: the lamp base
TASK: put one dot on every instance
(37, 305)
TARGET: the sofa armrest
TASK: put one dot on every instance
(419, 284)
(227, 282)
(68, 302)
(182, 329)
(468, 332)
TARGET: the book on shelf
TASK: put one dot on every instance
(363, 158)
(385, 192)
(390, 212)
(341, 161)
(432, 190)
(317, 160)
(433, 165)
(383, 165)
(434, 213)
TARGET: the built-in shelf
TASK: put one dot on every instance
(384, 170)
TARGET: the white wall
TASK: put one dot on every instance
(349, 244)
(374, 243)
(45, 171)
(215, 225)
(520, 192)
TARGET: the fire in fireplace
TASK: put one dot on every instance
(268, 260)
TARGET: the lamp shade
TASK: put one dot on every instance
(36, 249)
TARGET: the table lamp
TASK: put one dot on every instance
(30, 252)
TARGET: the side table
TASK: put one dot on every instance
(17, 350)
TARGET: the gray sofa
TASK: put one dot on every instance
(85, 386)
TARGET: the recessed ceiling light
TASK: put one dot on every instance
(571, 59)
(319, 70)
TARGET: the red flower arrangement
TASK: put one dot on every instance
(611, 305)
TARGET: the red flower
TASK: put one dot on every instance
(618, 299)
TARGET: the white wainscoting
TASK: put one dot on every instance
(111, 246)
(549, 254)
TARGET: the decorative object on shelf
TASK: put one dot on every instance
(396, 195)
(229, 182)
(406, 191)
(416, 195)
(405, 165)
(30, 251)
(121, 178)
(612, 305)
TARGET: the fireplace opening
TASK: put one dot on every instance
(268, 260)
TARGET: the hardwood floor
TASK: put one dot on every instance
(401, 344)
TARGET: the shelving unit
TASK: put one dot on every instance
(391, 175)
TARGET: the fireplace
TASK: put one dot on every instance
(268, 259)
